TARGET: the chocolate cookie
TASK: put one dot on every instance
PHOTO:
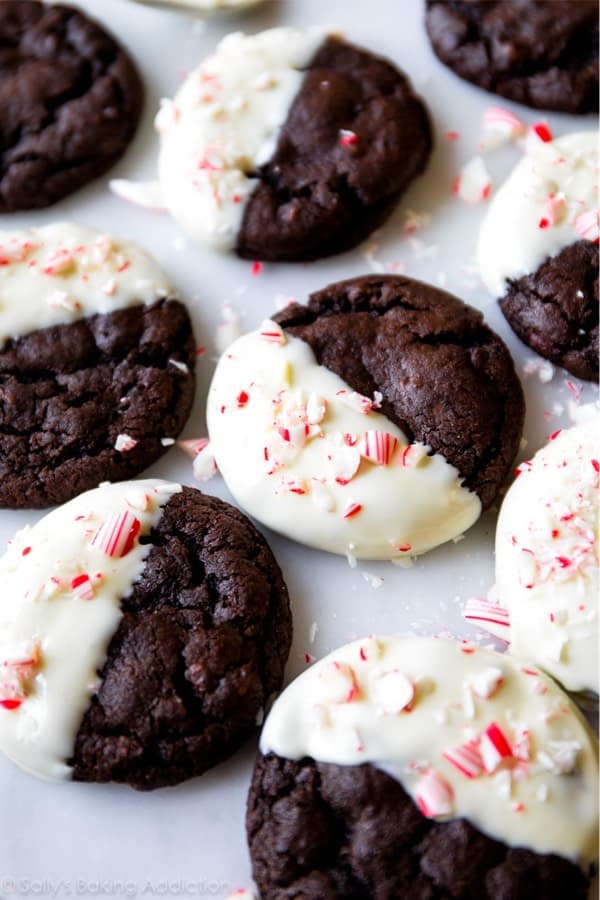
(538, 251)
(70, 101)
(306, 141)
(151, 652)
(378, 420)
(555, 309)
(543, 53)
(94, 395)
(327, 818)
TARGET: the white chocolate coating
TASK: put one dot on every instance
(223, 123)
(206, 5)
(58, 273)
(533, 214)
(539, 791)
(288, 437)
(547, 556)
(56, 624)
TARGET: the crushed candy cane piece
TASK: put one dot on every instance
(491, 616)
(435, 796)
(393, 691)
(205, 464)
(124, 443)
(338, 683)
(193, 446)
(466, 758)
(500, 125)
(560, 757)
(587, 225)
(82, 587)
(494, 747)
(473, 184)
(116, 536)
(486, 683)
(272, 332)
(378, 447)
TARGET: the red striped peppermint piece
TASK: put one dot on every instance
(10, 703)
(587, 225)
(466, 758)
(338, 683)
(494, 747)
(491, 616)
(124, 443)
(435, 796)
(378, 447)
(486, 682)
(116, 536)
(82, 587)
(193, 446)
(352, 509)
(272, 333)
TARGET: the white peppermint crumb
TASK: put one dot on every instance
(312, 632)
(167, 442)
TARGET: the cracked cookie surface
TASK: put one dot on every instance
(67, 392)
(326, 831)
(554, 310)
(70, 101)
(201, 645)
(320, 193)
(446, 379)
(540, 53)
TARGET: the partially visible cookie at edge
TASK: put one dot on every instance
(97, 359)
(538, 251)
(423, 768)
(70, 101)
(543, 53)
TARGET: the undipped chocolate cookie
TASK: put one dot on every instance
(289, 145)
(423, 768)
(543, 53)
(70, 100)
(378, 420)
(97, 363)
(538, 251)
(142, 628)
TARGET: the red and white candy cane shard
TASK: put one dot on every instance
(59, 261)
(486, 682)
(338, 683)
(435, 796)
(345, 462)
(82, 587)
(494, 747)
(272, 333)
(356, 401)
(466, 758)
(491, 616)
(116, 536)
(499, 116)
(352, 510)
(205, 464)
(124, 443)
(394, 692)
(473, 184)
(193, 446)
(521, 748)
(587, 225)
(542, 131)
(378, 447)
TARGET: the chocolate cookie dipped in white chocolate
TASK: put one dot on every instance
(223, 124)
(468, 733)
(62, 584)
(307, 456)
(547, 556)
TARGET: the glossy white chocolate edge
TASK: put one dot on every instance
(62, 272)
(305, 455)
(207, 5)
(467, 732)
(60, 606)
(224, 123)
(547, 557)
(534, 213)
